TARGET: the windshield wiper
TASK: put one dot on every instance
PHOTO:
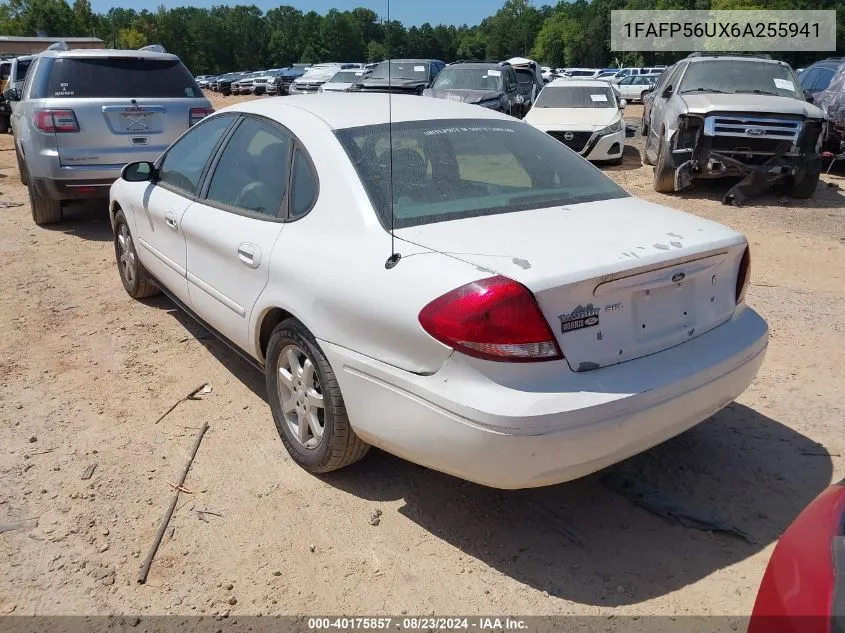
(722, 92)
(757, 92)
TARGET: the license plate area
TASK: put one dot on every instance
(138, 121)
(663, 312)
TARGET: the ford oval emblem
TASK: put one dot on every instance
(569, 136)
(678, 277)
(755, 131)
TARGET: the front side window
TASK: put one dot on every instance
(252, 172)
(450, 169)
(185, 161)
(576, 97)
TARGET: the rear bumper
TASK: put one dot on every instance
(462, 422)
(73, 189)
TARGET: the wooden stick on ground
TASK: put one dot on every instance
(192, 395)
(145, 568)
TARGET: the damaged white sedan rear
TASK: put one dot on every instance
(531, 323)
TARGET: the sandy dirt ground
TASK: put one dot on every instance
(85, 371)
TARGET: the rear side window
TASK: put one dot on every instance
(23, 68)
(115, 77)
(5, 69)
(252, 173)
(304, 187)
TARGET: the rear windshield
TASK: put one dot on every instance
(451, 169)
(119, 77)
(576, 97)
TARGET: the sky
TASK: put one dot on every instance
(409, 12)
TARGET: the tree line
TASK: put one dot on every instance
(242, 37)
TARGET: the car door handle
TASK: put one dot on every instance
(170, 220)
(249, 255)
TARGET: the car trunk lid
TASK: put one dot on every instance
(615, 279)
(114, 131)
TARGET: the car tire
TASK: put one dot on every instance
(4, 125)
(44, 210)
(296, 369)
(804, 187)
(664, 175)
(21, 167)
(642, 96)
(135, 278)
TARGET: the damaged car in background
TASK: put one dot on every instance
(745, 116)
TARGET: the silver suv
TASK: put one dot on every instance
(714, 115)
(83, 114)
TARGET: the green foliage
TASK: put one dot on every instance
(224, 38)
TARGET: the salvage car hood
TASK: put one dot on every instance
(706, 103)
(467, 96)
(396, 85)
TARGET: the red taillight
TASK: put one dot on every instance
(801, 580)
(198, 114)
(495, 319)
(744, 275)
(53, 120)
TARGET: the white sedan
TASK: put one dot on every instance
(531, 322)
(584, 115)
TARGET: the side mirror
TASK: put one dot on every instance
(138, 172)
(667, 92)
(623, 103)
(808, 97)
(12, 94)
(426, 92)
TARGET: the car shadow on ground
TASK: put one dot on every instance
(86, 219)
(593, 541)
(643, 528)
(825, 196)
(631, 159)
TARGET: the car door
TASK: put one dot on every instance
(164, 201)
(662, 93)
(231, 231)
(625, 87)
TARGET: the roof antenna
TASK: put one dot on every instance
(394, 256)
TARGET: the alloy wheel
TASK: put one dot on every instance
(301, 396)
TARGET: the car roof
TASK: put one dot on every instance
(345, 110)
(578, 83)
(102, 52)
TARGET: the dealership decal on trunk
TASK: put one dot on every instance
(579, 318)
